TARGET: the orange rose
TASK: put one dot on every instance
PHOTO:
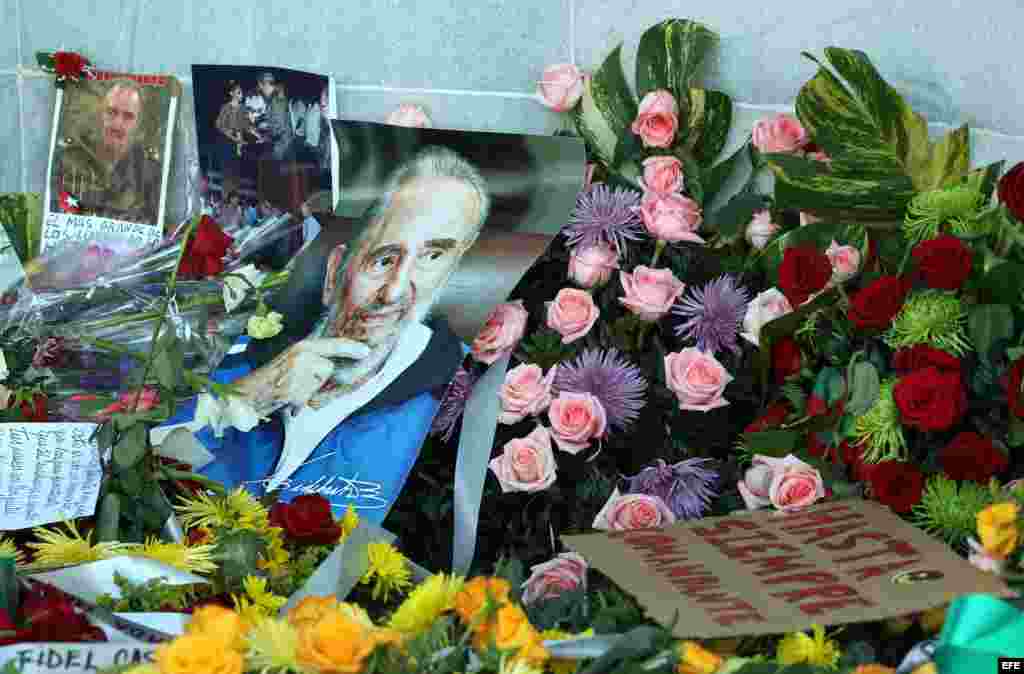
(474, 594)
(695, 659)
(311, 609)
(334, 644)
(221, 623)
(193, 653)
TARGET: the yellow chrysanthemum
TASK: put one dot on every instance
(273, 646)
(349, 521)
(799, 647)
(518, 666)
(387, 570)
(563, 665)
(239, 510)
(10, 551)
(256, 588)
(426, 603)
(59, 548)
(276, 558)
(192, 558)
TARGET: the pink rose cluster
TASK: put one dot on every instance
(501, 333)
(650, 293)
(786, 484)
(564, 573)
(626, 512)
(697, 379)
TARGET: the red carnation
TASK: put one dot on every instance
(773, 417)
(68, 64)
(1011, 190)
(804, 271)
(1014, 399)
(896, 484)
(876, 305)
(786, 358)
(944, 262)
(205, 250)
(929, 399)
(920, 356)
(307, 519)
(972, 456)
(35, 409)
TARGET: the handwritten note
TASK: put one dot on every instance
(43, 658)
(48, 473)
(60, 229)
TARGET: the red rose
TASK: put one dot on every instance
(877, 304)
(929, 399)
(68, 64)
(307, 519)
(804, 270)
(944, 262)
(896, 484)
(822, 450)
(772, 418)
(35, 409)
(786, 358)
(972, 456)
(1011, 190)
(853, 456)
(1015, 381)
(920, 356)
(205, 250)
(50, 615)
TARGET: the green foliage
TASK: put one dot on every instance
(989, 325)
(153, 595)
(544, 348)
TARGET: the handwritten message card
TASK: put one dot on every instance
(60, 229)
(48, 473)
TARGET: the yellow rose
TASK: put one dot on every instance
(311, 609)
(265, 327)
(473, 595)
(335, 644)
(198, 654)
(220, 623)
(997, 529)
(695, 659)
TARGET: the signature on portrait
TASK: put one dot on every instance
(360, 494)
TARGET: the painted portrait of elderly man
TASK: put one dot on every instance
(372, 335)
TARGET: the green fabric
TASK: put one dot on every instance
(978, 630)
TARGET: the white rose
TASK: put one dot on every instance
(761, 229)
(220, 413)
(764, 308)
(235, 289)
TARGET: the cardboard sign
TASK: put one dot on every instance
(767, 572)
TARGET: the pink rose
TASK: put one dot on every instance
(697, 379)
(657, 119)
(560, 87)
(576, 419)
(782, 133)
(845, 261)
(564, 573)
(671, 217)
(592, 265)
(650, 293)
(526, 464)
(787, 483)
(764, 308)
(501, 333)
(526, 392)
(411, 115)
(625, 512)
(761, 229)
(663, 174)
(572, 314)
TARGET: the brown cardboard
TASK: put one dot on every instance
(767, 572)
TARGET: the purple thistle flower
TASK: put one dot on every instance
(606, 375)
(714, 313)
(453, 404)
(686, 487)
(604, 214)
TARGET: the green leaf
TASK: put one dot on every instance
(104, 436)
(693, 178)
(707, 124)
(108, 519)
(731, 220)
(984, 180)
(130, 447)
(714, 178)
(44, 59)
(785, 326)
(669, 55)
(988, 324)
(771, 443)
(879, 148)
(1015, 438)
(1003, 283)
(607, 108)
(864, 388)
(169, 361)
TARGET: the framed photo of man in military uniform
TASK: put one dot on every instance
(110, 151)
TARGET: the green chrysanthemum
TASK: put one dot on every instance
(931, 317)
(950, 510)
(956, 206)
(879, 431)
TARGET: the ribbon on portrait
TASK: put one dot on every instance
(479, 424)
(979, 629)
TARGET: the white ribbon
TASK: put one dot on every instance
(479, 424)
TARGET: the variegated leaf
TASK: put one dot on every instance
(669, 55)
(708, 122)
(607, 108)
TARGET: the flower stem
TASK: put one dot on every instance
(658, 248)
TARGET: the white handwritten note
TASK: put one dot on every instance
(44, 658)
(48, 473)
(60, 229)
